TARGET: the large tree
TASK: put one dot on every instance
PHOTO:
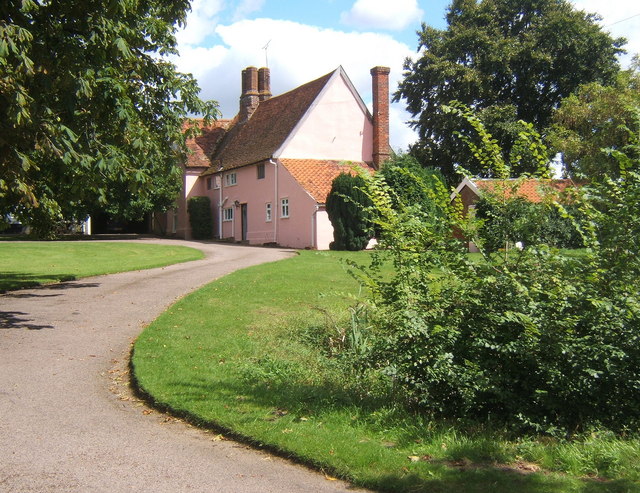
(593, 122)
(509, 60)
(91, 111)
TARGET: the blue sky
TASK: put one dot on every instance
(337, 14)
(308, 39)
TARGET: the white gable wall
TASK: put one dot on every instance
(335, 127)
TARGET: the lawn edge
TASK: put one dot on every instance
(208, 425)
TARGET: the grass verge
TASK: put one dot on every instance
(243, 356)
(28, 264)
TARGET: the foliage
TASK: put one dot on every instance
(508, 220)
(594, 118)
(409, 181)
(533, 339)
(92, 111)
(346, 208)
(200, 217)
(510, 62)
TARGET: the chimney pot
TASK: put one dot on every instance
(380, 86)
(249, 98)
(264, 83)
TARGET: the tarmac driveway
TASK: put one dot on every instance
(67, 419)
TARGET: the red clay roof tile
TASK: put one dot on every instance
(316, 175)
(530, 188)
(201, 146)
(272, 122)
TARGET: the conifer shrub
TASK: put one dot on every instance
(200, 217)
(347, 207)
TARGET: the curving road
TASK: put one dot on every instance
(67, 419)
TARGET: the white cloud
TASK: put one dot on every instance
(200, 21)
(619, 18)
(246, 7)
(297, 54)
(382, 14)
(400, 134)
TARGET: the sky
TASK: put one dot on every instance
(301, 40)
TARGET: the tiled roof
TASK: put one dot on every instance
(267, 129)
(201, 147)
(530, 188)
(316, 175)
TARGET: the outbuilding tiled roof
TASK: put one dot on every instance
(531, 189)
(264, 133)
(201, 147)
(317, 175)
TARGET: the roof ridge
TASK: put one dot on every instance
(271, 123)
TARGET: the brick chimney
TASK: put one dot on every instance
(380, 84)
(264, 84)
(249, 98)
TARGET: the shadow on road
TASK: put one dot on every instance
(11, 285)
(19, 320)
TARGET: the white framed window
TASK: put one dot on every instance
(284, 207)
(216, 182)
(228, 214)
(230, 179)
(268, 212)
(260, 169)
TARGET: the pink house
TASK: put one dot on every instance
(269, 170)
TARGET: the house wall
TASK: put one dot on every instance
(253, 192)
(324, 230)
(191, 187)
(468, 198)
(250, 190)
(296, 231)
(299, 229)
(335, 128)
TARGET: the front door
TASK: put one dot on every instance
(243, 215)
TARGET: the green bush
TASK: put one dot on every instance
(532, 339)
(409, 181)
(516, 219)
(200, 217)
(347, 210)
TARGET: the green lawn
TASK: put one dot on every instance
(26, 264)
(241, 354)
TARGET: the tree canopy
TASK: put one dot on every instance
(594, 121)
(91, 110)
(510, 61)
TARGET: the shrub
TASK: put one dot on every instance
(409, 181)
(534, 339)
(347, 210)
(516, 219)
(200, 217)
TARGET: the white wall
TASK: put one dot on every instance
(336, 128)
